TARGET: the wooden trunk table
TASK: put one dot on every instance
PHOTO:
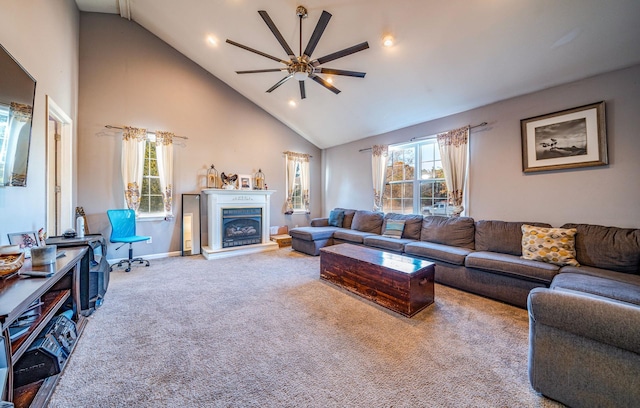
(397, 282)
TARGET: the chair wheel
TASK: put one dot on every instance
(128, 270)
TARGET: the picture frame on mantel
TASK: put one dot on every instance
(566, 139)
(244, 182)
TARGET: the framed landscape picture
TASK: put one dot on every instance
(566, 139)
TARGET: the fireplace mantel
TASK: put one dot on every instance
(217, 200)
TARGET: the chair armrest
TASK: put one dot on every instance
(594, 317)
(320, 222)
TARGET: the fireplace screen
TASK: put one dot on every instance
(241, 226)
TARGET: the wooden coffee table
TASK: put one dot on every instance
(397, 282)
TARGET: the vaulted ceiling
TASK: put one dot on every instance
(448, 56)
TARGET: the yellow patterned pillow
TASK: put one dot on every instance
(551, 245)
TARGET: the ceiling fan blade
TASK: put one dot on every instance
(317, 33)
(257, 71)
(303, 93)
(277, 34)
(244, 47)
(280, 82)
(325, 84)
(340, 54)
(332, 71)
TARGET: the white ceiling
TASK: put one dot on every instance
(450, 55)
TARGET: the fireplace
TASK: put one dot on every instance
(237, 222)
(241, 226)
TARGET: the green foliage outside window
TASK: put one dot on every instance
(151, 192)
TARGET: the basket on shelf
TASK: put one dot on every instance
(10, 264)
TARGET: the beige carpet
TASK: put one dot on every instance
(264, 331)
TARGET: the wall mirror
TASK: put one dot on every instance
(190, 224)
(17, 94)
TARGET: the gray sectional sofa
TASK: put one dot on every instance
(584, 320)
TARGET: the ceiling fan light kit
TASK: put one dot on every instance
(302, 67)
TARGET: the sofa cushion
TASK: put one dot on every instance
(393, 228)
(624, 292)
(350, 235)
(501, 236)
(390, 244)
(367, 221)
(551, 245)
(512, 265)
(336, 218)
(454, 231)
(312, 233)
(348, 216)
(319, 222)
(412, 224)
(617, 249)
(437, 252)
(602, 273)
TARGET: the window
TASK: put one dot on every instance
(415, 192)
(151, 201)
(297, 201)
(297, 182)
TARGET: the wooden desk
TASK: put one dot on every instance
(16, 295)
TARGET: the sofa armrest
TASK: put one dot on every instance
(320, 222)
(594, 317)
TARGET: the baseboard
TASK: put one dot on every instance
(149, 257)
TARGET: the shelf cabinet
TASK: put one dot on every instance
(54, 294)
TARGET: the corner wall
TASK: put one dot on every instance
(130, 77)
(42, 35)
(498, 189)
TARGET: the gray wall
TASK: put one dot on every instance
(498, 189)
(43, 36)
(130, 77)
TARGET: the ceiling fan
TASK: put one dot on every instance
(302, 67)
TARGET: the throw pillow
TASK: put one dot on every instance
(393, 229)
(551, 245)
(336, 218)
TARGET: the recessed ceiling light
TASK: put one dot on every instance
(387, 40)
(211, 40)
(292, 103)
(330, 80)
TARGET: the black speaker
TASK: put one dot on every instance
(47, 354)
(44, 358)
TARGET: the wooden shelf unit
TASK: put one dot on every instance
(17, 294)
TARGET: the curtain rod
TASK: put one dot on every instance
(117, 127)
(310, 156)
(422, 137)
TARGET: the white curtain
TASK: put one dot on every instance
(304, 181)
(454, 151)
(133, 143)
(164, 156)
(378, 168)
(293, 160)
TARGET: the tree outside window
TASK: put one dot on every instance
(408, 191)
(151, 192)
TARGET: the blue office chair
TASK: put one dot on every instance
(123, 229)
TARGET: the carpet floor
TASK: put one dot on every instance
(263, 331)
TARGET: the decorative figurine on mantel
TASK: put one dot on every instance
(212, 178)
(229, 182)
(259, 181)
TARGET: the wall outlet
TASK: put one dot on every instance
(150, 240)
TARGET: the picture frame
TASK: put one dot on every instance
(566, 139)
(26, 241)
(245, 182)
